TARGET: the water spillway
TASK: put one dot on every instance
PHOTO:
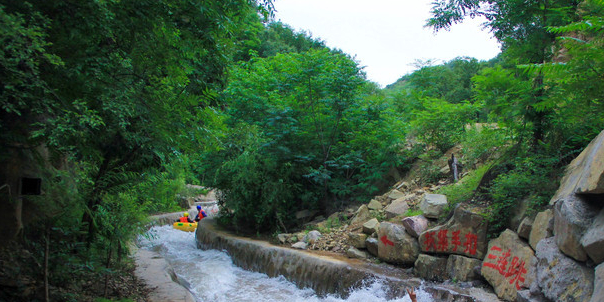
(228, 268)
(324, 274)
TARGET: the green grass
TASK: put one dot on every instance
(463, 189)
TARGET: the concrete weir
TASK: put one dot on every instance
(325, 273)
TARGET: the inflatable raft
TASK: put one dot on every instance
(185, 226)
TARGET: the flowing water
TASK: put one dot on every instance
(212, 276)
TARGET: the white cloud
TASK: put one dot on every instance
(386, 36)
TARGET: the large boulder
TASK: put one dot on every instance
(430, 267)
(395, 194)
(543, 227)
(395, 245)
(561, 278)
(372, 246)
(396, 208)
(598, 294)
(464, 234)
(585, 174)
(593, 240)
(357, 240)
(361, 215)
(415, 225)
(355, 253)
(507, 267)
(433, 205)
(312, 237)
(374, 205)
(525, 227)
(462, 268)
(371, 226)
(572, 217)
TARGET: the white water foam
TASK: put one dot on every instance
(213, 276)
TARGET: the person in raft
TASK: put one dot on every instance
(200, 214)
(184, 218)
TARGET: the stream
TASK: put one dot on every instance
(212, 276)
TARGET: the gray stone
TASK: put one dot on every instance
(507, 266)
(312, 236)
(361, 215)
(396, 208)
(374, 205)
(372, 246)
(430, 267)
(415, 225)
(357, 240)
(395, 245)
(585, 174)
(593, 240)
(283, 238)
(543, 227)
(519, 210)
(527, 296)
(524, 229)
(598, 294)
(395, 194)
(561, 278)
(464, 234)
(572, 217)
(461, 268)
(433, 205)
(300, 245)
(371, 226)
(354, 253)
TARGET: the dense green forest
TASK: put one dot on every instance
(119, 104)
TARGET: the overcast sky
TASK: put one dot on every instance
(386, 36)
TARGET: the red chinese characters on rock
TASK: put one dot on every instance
(438, 241)
(515, 270)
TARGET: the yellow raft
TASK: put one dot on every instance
(185, 226)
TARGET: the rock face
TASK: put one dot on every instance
(561, 278)
(543, 227)
(433, 205)
(593, 240)
(461, 268)
(395, 245)
(371, 226)
(585, 174)
(598, 294)
(396, 208)
(464, 234)
(415, 225)
(572, 217)
(507, 266)
(431, 267)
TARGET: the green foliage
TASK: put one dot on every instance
(530, 178)
(441, 124)
(481, 142)
(413, 212)
(464, 189)
(305, 132)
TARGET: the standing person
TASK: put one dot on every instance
(200, 214)
(184, 218)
